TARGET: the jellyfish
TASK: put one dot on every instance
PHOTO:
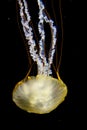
(40, 93)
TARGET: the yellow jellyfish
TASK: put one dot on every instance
(40, 93)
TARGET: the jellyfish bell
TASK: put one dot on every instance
(41, 93)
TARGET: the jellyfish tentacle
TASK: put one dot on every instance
(53, 34)
(44, 17)
(25, 21)
(27, 29)
(44, 67)
(42, 35)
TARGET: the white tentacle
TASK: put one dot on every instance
(44, 67)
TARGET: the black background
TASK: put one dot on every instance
(67, 114)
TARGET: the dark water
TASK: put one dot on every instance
(66, 115)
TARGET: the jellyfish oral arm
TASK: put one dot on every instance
(25, 21)
(44, 18)
(44, 67)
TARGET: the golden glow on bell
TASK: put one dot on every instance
(40, 94)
